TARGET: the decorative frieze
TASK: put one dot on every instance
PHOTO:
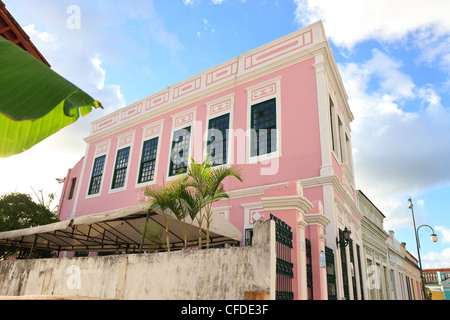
(258, 58)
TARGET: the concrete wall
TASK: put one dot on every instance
(196, 274)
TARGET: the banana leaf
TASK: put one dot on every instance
(35, 102)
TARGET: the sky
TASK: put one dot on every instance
(393, 56)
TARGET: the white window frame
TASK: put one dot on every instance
(248, 209)
(226, 106)
(158, 126)
(177, 126)
(261, 92)
(101, 149)
(123, 141)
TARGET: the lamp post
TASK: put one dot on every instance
(434, 238)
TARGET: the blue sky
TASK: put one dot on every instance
(394, 58)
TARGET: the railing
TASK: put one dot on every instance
(285, 267)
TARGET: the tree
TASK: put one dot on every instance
(35, 102)
(176, 198)
(160, 199)
(192, 195)
(19, 211)
(208, 184)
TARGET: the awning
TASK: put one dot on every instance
(119, 230)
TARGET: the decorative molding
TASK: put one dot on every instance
(255, 191)
(223, 211)
(277, 54)
(258, 93)
(252, 212)
(317, 219)
(294, 202)
(333, 180)
(102, 148)
(279, 49)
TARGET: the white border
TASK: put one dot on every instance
(209, 116)
(191, 124)
(96, 156)
(158, 150)
(277, 95)
(118, 148)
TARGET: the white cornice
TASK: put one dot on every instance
(317, 219)
(241, 74)
(333, 181)
(294, 202)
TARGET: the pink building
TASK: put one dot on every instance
(280, 113)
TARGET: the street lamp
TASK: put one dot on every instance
(434, 238)
(346, 239)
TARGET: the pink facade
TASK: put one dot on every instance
(305, 176)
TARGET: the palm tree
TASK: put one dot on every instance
(208, 184)
(160, 201)
(176, 198)
(192, 195)
(183, 203)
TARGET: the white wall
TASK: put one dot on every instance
(183, 275)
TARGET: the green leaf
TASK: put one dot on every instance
(35, 102)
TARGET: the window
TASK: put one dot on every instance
(97, 173)
(333, 142)
(217, 145)
(180, 151)
(72, 188)
(264, 125)
(248, 237)
(148, 161)
(341, 141)
(120, 171)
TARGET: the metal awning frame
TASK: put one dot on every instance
(116, 231)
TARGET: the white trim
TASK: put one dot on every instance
(261, 92)
(257, 207)
(290, 49)
(225, 105)
(155, 131)
(101, 149)
(182, 120)
(224, 211)
(124, 141)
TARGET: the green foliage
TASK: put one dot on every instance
(19, 211)
(192, 195)
(35, 102)
(208, 184)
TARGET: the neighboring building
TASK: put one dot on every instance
(412, 280)
(395, 267)
(12, 31)
(374, 249)
(437, 281)
(280, 113)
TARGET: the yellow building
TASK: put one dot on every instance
(437, 283)
(412, 279)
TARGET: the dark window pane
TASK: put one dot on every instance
(97, 173)
(264, 125)
(217, 145)
(148, 162)
(180, 151)
(120, 172)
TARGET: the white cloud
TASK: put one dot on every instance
(443, 233)
(351, 21)
(436, 259)
(79, 61)
(399, 150)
